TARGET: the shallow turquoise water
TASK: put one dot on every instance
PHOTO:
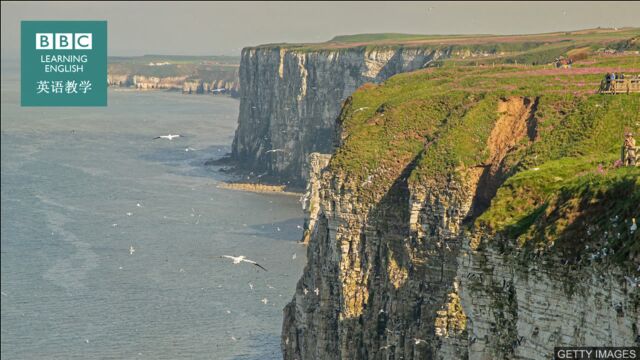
(72, 180)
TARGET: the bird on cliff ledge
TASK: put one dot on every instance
(419, 341)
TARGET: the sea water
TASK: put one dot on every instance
(81, 187)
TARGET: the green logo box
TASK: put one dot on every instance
(63, 63)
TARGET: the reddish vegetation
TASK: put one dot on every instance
(558, 71)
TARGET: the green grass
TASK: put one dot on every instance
(510, 49)
(453, 109)
(357, 38)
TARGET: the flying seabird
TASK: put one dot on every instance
(131, 250)
(274, 150)
(241, 258)
(168, 137)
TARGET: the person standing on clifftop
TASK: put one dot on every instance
(629, 150)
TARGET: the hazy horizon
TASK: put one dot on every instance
(224, 28)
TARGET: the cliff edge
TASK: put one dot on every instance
(291, 94)
(473, 213)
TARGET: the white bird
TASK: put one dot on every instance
(138, 205)
(265, 301)
(275, 150)
(131, 250)
(241, 258)
(306, 291)
(251, 286)
(419, 341)
(129, 214)
(168, 137)
(360, 109)
(317, 291)
(633, 227)
(294, 256)
(385, 347)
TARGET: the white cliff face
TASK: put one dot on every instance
(523, 312)
(188, 86)
(290, 100)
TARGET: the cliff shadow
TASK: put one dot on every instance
(412, 278)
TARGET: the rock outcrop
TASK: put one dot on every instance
(311, 199)
(289, 100)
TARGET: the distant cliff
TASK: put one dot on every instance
(291, 93)
(289, 100)
(191, 75)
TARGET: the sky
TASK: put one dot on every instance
(224, 28)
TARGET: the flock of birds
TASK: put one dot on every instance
(633, 282)
(235, 260)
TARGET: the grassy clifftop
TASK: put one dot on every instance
(538, 142)
(484, 49)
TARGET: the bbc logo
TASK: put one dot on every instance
(64, 41)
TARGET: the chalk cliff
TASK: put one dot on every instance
(289, 100)
(186, 84)
(459, 217)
